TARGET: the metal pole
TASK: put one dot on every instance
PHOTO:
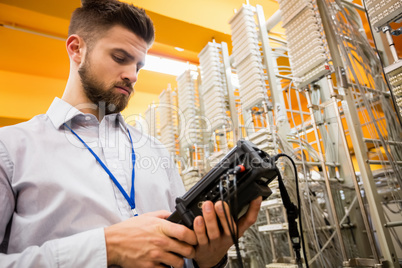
(370, 189)
(350, 167)
(271, 67)
(393, 224)
(359, 7)
(360, 149)
(268, 117)
(232, 103)
(271, 238)
(327, 181)
(250, 114)
(273, 20)
(390, 40)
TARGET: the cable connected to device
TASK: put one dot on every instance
(233, 222)
(292, 211)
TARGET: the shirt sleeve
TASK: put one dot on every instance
(86, 249)
(7, 199)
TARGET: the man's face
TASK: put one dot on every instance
(110, 68)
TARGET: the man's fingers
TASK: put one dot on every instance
(148, 241)
(180, 249)
(211, 222)
(251, 216)
(227, 221)
(200, 231)
(179, 232)
(168, 258)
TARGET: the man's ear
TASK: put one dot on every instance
(75, 48)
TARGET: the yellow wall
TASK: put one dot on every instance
(34, 65)
(138, 105)
(23, 96)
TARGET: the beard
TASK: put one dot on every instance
(101, 94)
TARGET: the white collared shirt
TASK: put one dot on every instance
(59, 198)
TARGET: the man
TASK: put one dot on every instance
(72, 190)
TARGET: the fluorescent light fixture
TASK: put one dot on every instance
(25, 30)
(167, 66)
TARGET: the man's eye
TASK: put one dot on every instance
(118, 59)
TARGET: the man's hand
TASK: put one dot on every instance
(212, 242)
(149, 240)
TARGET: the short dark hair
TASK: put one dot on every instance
(95, 17)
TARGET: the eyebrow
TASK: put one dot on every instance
(128, 55)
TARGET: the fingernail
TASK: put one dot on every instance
(208, 207)
(220, 207)
(199, 222)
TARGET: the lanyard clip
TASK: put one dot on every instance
(134, 212)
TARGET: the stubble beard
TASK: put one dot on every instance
(100, 94)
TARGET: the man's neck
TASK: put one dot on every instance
(83, 104)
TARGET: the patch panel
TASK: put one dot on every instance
(382, 12)
(168, 129)
(394, 73)
(307, 45)
(213, 87)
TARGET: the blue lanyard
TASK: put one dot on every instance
(130, 199)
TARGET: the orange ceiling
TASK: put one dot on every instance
(187, 24)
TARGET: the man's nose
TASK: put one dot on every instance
(130, 74)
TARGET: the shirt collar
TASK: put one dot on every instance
(61, 112)
(121, 119)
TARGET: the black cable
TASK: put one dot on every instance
(235, 202)
(391, 210)
(227, 200)
(298, 203)
(292, 214)
(230, 224)
(234, 217)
